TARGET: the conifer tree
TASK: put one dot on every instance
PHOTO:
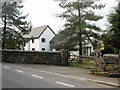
(14, 25)
(77, 14)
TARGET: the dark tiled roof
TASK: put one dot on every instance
(36, 32)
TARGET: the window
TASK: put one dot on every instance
(43, 39)
(43, 49)
(32, 40)
(33, 49)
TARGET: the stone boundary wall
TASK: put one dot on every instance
(33, 57)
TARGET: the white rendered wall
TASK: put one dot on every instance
(35, 44)
(26, 46)
(90, 50)
(31, 45)
(48, 35)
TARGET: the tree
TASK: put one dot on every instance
(14, 25)
(77, 15)
(112, 42)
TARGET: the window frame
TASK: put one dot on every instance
(43, 40)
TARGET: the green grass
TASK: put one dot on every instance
(83, 63)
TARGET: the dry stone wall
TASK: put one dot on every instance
(33, 57)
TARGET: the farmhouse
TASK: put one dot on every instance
(40, 38)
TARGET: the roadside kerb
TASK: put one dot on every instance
(97, 81)
(106, 83)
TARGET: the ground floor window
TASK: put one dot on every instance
(33, 49)
(43, 49)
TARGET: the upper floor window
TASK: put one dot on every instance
(32, 40)
(43, 40)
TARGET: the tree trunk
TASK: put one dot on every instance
(80, 33)
(4, 29)
(80, 44)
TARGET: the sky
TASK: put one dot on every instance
(43, 12)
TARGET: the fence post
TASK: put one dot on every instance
(64, 57)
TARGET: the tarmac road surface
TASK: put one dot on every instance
(15, 76)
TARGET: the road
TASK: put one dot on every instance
(15, 76)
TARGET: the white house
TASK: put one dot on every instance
(87, 49)
(40, 38)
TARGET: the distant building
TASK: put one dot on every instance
(40, 38)
(87, 46)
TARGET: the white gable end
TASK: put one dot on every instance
(47, 35)
(42, 43)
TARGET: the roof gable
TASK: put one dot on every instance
(37, 32)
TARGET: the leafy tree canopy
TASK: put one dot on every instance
(112, 37)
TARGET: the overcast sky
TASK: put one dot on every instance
(43, 12)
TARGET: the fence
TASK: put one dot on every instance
(108, 65)
(82, 61)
